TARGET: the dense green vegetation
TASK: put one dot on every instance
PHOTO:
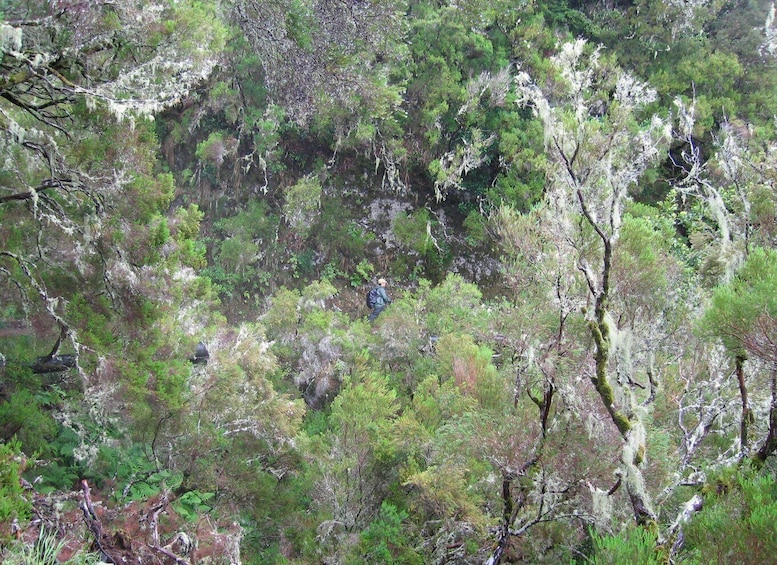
(574, 204)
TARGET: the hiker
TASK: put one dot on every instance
(378, 299)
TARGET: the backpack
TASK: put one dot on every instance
(372, 298)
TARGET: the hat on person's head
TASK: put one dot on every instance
(381, 282)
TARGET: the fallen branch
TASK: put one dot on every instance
(178, 560)
(93, 523)
(158, 509)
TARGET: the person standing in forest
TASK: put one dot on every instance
(380, 301)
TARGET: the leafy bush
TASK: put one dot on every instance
(249, 243)
(282, 317)
(633, 545)
(303, 263)
(152, 196)
(387, 539)
(470, 367)
(413, 230)
(23, 410)
(90, 315)
(13, 504)
(452, 306)
(737, 525)
(364, 272)
(475, 224)
(336, 235)
(416, 231)
(303, 201)
(215, 149)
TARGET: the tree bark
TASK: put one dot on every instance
(746, 413)
(770, 444)
(510, 505)
(632, 456)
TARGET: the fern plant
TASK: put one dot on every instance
(13, 504)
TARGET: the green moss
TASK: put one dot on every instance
(599, 331)
(622, 422)
(605, 390)
(602, 344)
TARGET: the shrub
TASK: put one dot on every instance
(303, 201)
(737, 525)
(387, 540)
(633, 545)
(13, 503)
(23, 417)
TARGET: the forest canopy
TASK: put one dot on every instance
(571, 206)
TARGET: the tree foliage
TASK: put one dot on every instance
(573, 204)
